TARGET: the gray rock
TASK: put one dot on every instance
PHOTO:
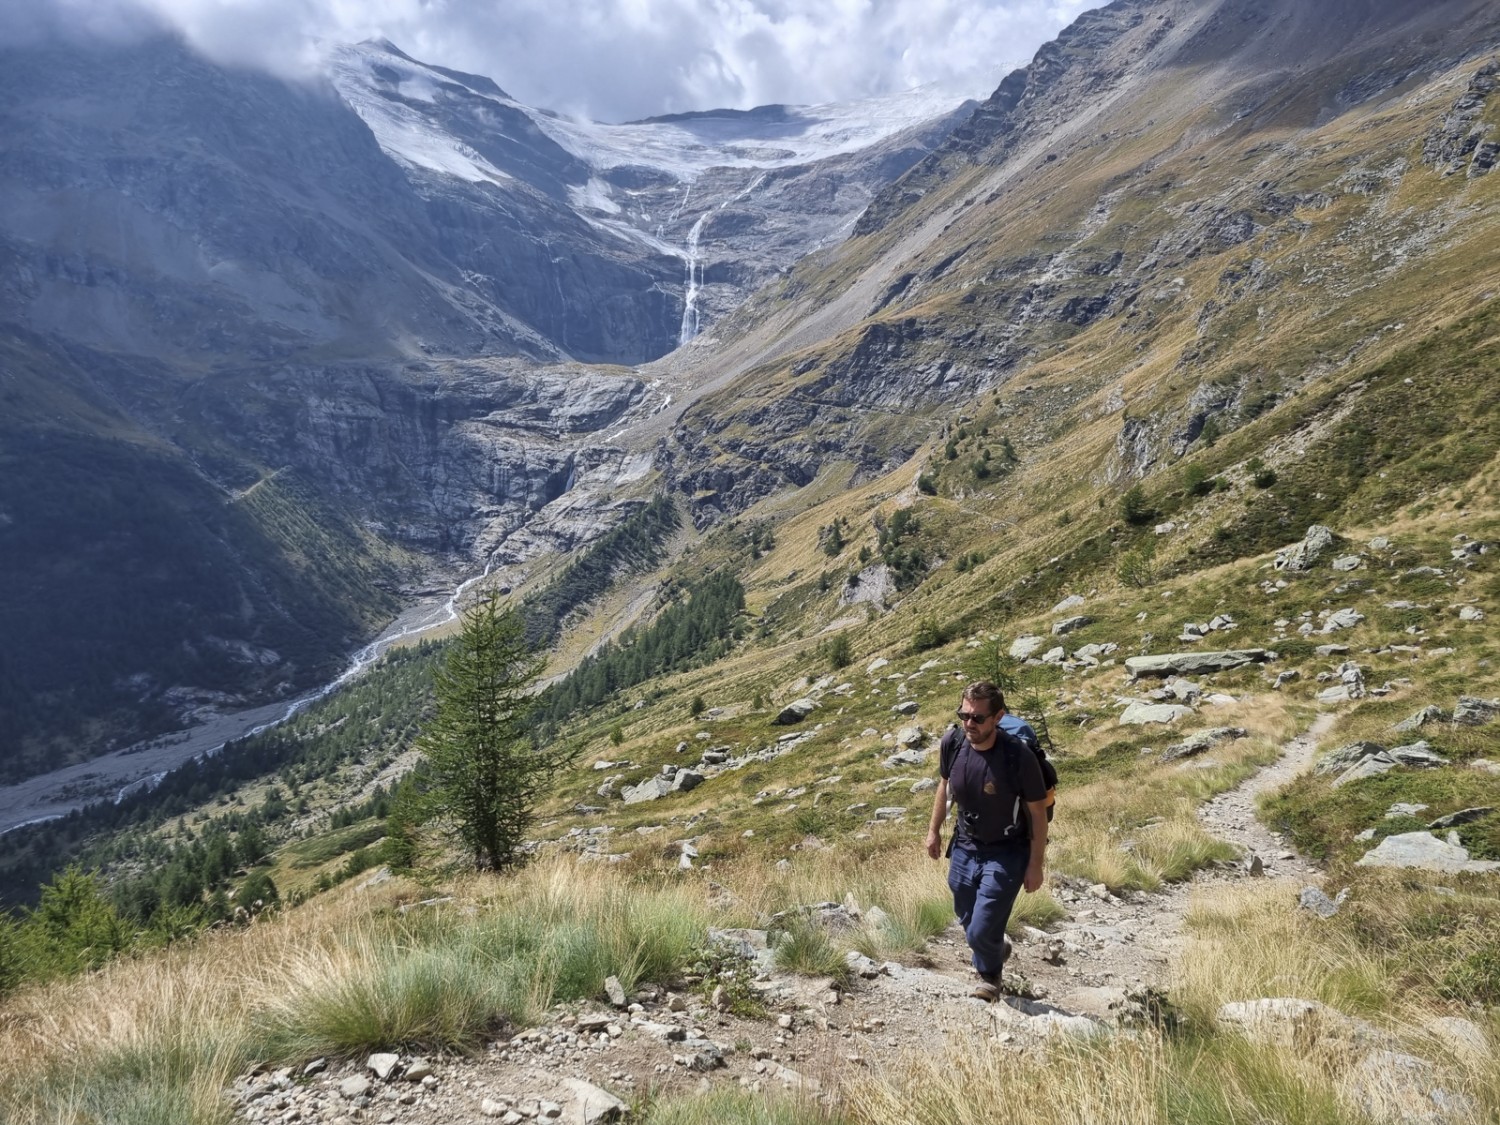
(1421, 718)
(662, 1032)
(1418, 754)
(1293, 1023)
(1072, 601)
(910, 737)
(1284, 678)
(685, 780)
(651, 789)
(1203, 740)
(1139, 713)
(1473, 712)
(1301, 556)
(383, 1065)
(1461, 1036)
(1319, 903)
(1372, 766)
(1193, 663)
(1387, 1085)
(1426, 852)
(1404, 808)
(1380, 543)
(1471, 613)
(1054, 655)
(1095, 651)
(1345, 756)
(615, 991)
(1071, 624)
(907, 707)
(1331, 650)
(591, 1105)
(1342, 619)
(861, 965)
(1023, 648)
(926, 785)
(890, 813)
(795, 712)
(1347, 562)
(416, 1070)
(1463, 816)
(356, 1087)
(905, 758)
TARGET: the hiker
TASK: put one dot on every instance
(1000, 836)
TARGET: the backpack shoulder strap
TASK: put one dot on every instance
(948, 750)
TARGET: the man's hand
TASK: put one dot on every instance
(934, 844)
(1033, 876)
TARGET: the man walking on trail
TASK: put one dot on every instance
(1000, 838)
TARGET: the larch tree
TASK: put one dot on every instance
(485, 770)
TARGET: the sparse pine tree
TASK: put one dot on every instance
(485, 772)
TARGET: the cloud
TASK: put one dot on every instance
(610, 59)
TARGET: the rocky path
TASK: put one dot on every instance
(587, 1065)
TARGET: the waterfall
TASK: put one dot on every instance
(689, 327)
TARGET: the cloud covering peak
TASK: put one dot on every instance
(610, 60)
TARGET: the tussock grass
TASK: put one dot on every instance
(741, 1107)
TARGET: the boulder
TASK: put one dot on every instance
(1319, 903)
(1421, 718)
(905, 759)
(1341, 759)
(1372, 766)
(1197, 743)
(1071, 624)
(907, 707)
(1347, 562)
(1295, 1024)
(685, 780)
(1139, 713)
(1054, 655)
(1072, 601)
(1022, 648)
(1342, 619)
(1425, 852)
(910, 737)
(1301, 556)
(1472, 712)
(1418, 754)
(1387, 1085)
(795, 712)
(1463, 816)
(590, 1105)
(1194, 663)
(651, 789)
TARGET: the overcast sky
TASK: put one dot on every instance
(612, 60)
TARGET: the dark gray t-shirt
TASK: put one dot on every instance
(990, 809)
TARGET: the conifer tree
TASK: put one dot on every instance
(485, 772)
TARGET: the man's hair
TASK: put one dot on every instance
(983, 689)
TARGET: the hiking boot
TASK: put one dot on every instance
(988, 988)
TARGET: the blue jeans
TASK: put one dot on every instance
(985, 879)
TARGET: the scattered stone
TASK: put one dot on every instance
(1346, 756)
(1342, 619)
(1022, 648)
(910, 737)
(1463, 816)
(1203, 740)
(383, 1065)
(1255, 866)
(1293, 1023)
(1474, 712)
(926, 785)
(1072, 601)
(615, 991)
(1426, 852)
(1284, 678)
(1418, 754)
(489, 1107)
(1403, 808)
(1301, 556)
(1389, 1086)
(317, 1066)
(890, 813)
(1331, 650)
(876, 665)
(795, 712)
(1054, 655)
(905, 758)
(1471, 613)
(1139, 713)
(1319, 903)
(1421, 718)
(355, 1087)
(907, 707)
(1193, 663)
(1071, 624)
(1372, 766)
(1348, 562)
(1380, 543)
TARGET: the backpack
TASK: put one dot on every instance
(1014, 743)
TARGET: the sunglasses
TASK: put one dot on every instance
(973, 717)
